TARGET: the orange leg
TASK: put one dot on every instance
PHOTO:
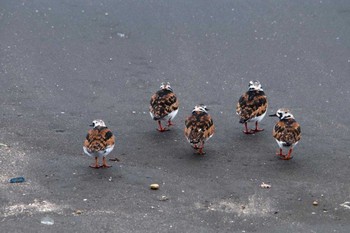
(257, 128)
(161, 129)
(104, 164)
(246, 130)
(289, 156)
(200, 149)
(96, 164)
(170, 123)
(280, 153)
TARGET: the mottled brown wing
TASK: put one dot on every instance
(287, 131)
(162, 105)
(199, 128)
(99, 139)
(250, 106)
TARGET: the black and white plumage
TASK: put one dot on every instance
(164, 106)
(199, 128)
(252, 107)
(286, 132)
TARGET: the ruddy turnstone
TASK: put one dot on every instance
(164, 106)
(99, 142)
(252, 107)
(199, 127)
(286, 132)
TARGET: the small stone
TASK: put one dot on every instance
(78, 212)
(47, 221)
(121, 35)
(346, 204)
(163, 198)
(315, 203)
(154, 186)
(265, 186)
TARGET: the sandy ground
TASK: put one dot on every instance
(65, 63)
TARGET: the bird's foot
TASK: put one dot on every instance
(199, 151)
(162, 129)
(96, 166)
(257, 130)
(280, 154)
(249, 131)
(170, 123)
(286, 157)
(105, 166)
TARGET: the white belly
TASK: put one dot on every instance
(280, 144)
(102, 153)
(258, 119)
(170, 116)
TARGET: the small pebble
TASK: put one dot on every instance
(47, 221)
(164, 198)
(78, 212)
(17, 180)
(154, 186)
(265, 186)
(315, 203)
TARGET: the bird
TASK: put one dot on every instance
(286, 132)
(99, 142)
(164, 106)
(252, 107)
(199, 128)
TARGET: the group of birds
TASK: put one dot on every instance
(199, 126)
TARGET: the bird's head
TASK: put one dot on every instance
(200, 108)
(166, 86)
(283, 113)
(254, 86)
(96, 123)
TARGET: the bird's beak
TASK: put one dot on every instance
(92, 125)
(273, 115)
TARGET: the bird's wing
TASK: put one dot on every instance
(249, 106)
(162, 105)
(199, 127)
(99, 139)
(288, 132)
